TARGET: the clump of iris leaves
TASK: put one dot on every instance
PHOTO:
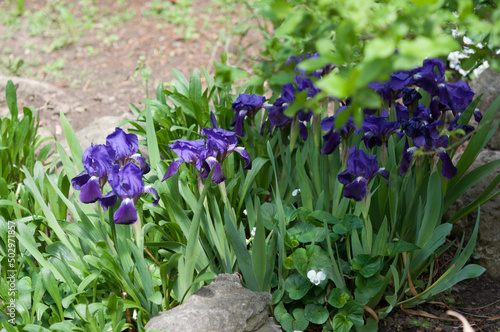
(341, 222)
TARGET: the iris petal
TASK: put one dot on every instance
(80, 180)
(122, 143)
(91, 191)
(356, 189)
(126, 213)
(173, 168)
(448, 170)
(246, 157)
(151, 190)
(108, 200)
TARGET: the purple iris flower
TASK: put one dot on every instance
(220, 143)
(430, 76)
(390, 90)
(128, 185)
(245, 104)
(276, 112)
(361, 169)
(125, 147)
(118, 163)
(97, 162)
(410, 96)
(426, 136)
(333, 137)
(225, 142)
(378, 130)
(208, 154)
(188, 152)
(456, 96)
(478, 116)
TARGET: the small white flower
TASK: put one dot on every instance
(248, 241)
(245, 212)
(316, 278)
(252, 233)
(295, 192)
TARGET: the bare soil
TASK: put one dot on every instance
(95, 78)
(97, 68)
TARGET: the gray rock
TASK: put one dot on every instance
(489, 84)
(488, 241)
(222, 306)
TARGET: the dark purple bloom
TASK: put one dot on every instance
(116, 163)
(406, 160)
(225, 142)
(378, 130)
(188, 152)
(448, 170)
(333, 137)
(124, 145)
(402, 113)
(361, 168)
(410, 96)
(207, 155)
(478, 116)
(128, 185)
(97, 161)
(245, 104)
(455, 97)
(430, 76)
(401, 80)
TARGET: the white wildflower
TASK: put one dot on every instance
(295, 192)
(316, 278)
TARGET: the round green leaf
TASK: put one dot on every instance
(338, 297)
(296, 286)
(353, 312)
(301, 323)
(341, 323)
(316, 313)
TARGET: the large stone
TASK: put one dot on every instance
(223, 306)
(488, 83)
(488, 241)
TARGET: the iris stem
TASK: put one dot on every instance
(104, 230)
(137, 226)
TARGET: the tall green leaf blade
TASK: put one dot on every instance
(467, 181)
(433, 209)
(11, 98)
(153, 150)
(477, 142)
(52, 221)
(243, 256)
(259, 250)
(257, 164)
(73, 142)
(195, 87)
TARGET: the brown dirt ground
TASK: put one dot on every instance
(98, 75)
(99, 66)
